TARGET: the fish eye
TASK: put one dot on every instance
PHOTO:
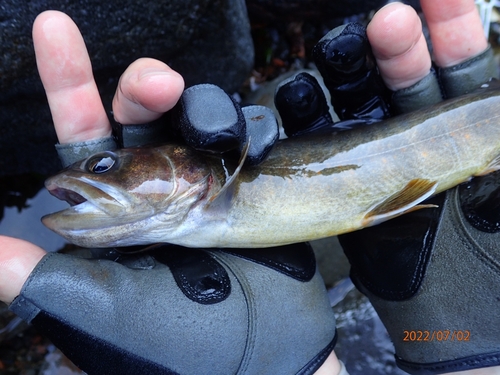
(100, 163)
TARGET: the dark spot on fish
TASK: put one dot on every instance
(305, 172)
(339, 169)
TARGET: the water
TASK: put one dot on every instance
(363, 344)
(26, 224)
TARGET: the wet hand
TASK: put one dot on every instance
(402, 80)
(416, 247)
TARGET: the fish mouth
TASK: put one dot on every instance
(70, 196)
(92, 203)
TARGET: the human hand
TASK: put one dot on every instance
(206, 282)
(146, 90)
(366, 87)
(184, 311)
(412, 267)
(21, 247)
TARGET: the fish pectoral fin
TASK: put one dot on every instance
(404, 201)
(492, 167)
(178, 208)
(225, 193)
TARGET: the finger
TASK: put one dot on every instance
(66, 73)
(146, 90)
(18, 258)
(399, 46)
(456, 30)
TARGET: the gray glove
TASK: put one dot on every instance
(184, 311)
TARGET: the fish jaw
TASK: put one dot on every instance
(87, 198)
(108, 235)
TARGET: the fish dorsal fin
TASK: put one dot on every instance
(404, 201)
(226, 191)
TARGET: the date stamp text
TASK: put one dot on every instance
(436, 335)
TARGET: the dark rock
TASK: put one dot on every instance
(206, 41)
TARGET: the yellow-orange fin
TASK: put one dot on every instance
(402, 202)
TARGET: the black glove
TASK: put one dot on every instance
(433, 275)
(205, 118)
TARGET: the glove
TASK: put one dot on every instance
(205, 118)
(184, 311)
(432, 275)
(175, 310)
(439, 306)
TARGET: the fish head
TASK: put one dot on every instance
(116, 195)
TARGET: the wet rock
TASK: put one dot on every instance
(206, 41)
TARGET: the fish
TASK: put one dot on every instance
(309, 187)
